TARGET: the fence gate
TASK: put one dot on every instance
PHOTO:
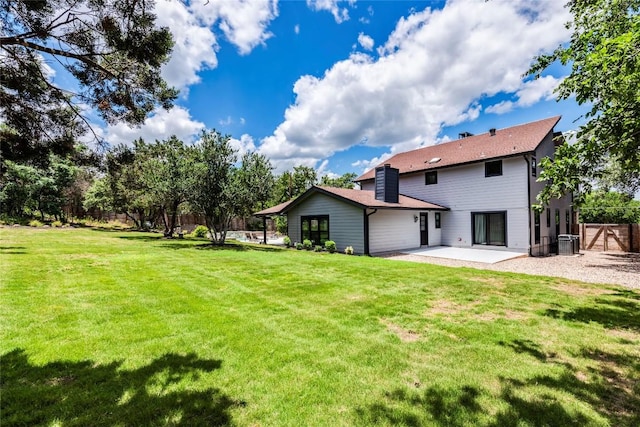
(608, 237)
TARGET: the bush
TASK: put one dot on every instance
(56, 224)
(299, 246)
(306, 243)
(287, 241)
(330, 245)
(200, 231)
(348, 250)
(318, 248)
(35, 223)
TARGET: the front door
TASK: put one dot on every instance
(424, 229)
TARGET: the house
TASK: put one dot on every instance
(476, 191)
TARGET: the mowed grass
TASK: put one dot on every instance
(122, 328)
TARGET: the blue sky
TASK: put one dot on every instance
(340, 85)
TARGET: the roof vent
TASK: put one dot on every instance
(435, 160)
(464, 135)
(492, 131)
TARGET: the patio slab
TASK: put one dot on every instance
(487, 256)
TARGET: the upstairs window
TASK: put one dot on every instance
(534, 167)
(493, 168)
(431, 178)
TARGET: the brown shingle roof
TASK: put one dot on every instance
(506, 142)
(362, 198)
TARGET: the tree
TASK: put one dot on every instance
(128, 190)
(27, 189)
(166, 168)
(292, 184)
(609, 207)
(111, 47)
(212, 192)
(256, 177)
(604, 55)
(344, 181)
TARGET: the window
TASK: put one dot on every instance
(493, 168)
(437, 219)
(315, 228)
(548, 217)
(431, 178)
(567, 220)
(557, 218)
(534, 167)
(489, 228)
(536, 221)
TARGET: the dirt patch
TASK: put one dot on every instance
(576, 290)
(507, 314)
(405, 335)
(447, 307)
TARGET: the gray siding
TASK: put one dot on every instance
(547, 234)
(392, 230)
(464, 189)
(346, 225)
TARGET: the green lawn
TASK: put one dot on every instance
(121, 328)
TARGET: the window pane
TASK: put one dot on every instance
(314, 225)
(480, 229)
(496, 229)
(324, 225)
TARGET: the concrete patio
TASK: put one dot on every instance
(487, 256)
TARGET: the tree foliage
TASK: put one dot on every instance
(344, 181)
(291, 184)
(26, 189)
(604, 55)
(609, 207)
(111, 47)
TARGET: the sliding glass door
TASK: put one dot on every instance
(489, 228)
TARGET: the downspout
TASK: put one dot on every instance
(366, 229)
(526, 159)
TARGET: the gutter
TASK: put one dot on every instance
(366, 228)
(526, 159)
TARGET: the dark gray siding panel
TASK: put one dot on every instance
(346, 226)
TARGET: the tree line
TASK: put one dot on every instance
(153, 183)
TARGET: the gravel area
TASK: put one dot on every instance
(616, 268)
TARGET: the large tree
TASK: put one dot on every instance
(167, 171)
(604, 56)
(111, 47)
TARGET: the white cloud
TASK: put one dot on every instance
(243, 145)
(296, 29)
(365, 41)
(160, 125)
(431, 72)
(339, 14)
(529, 93)
(243, 22)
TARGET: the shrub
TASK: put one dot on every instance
(299, 246)
(306, 243)
(348, 250)
(200, 231)
(330, 245)
(287, 241)
(318, 248)
(35, 223)
(56, 224)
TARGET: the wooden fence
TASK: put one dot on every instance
(610, 237)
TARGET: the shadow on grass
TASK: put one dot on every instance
(620, 310)
(610, 387)
(13, 250)
(85, 393)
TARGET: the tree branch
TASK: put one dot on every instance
(4, 41)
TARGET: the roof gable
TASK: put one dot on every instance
(359, 198)
(506, 142)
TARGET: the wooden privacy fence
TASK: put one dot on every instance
(610, 237)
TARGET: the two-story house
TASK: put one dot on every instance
(476, 191)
